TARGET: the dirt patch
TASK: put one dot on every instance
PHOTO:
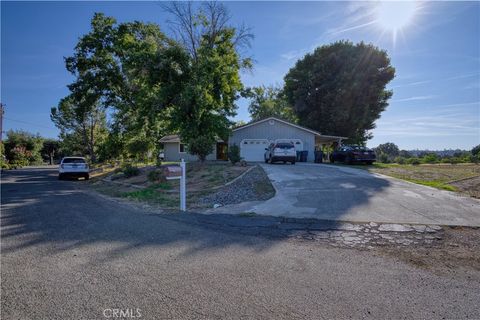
(469, 186)
(459, 248)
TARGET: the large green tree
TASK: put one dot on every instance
(212, 81)
(387, 152)
(82, 125)
(132, 69)
(269, 102)
(339, 89)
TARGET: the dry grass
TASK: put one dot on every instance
(462, 177)
(444, 173)
(201, 180)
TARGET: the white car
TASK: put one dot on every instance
(73, 167)
(280, 151)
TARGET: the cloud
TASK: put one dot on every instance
(411, 84)
(416, 98)
(473, 85)
(355, 27)
(294, 54)
(442, 122)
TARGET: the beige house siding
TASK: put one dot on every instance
(172, 153)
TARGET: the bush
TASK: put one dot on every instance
(399, 160)
(430, 158)
(413, 161)
(130, 171)
(234, 154)
(155, 175)
(201, 147)
(4, 165)
(383, 158)
(476, 151)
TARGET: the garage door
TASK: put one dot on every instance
(253, 149)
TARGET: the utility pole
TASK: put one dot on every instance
(2, 111)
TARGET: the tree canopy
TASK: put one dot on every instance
(212, 84)
(339, 89)
(152, 84)
(269, 102)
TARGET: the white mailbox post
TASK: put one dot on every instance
(183, 187)
(175, 172)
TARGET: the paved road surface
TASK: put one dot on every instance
(68, 254)
(340, 193)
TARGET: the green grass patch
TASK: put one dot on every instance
(247, 214)
(434, 184)
(162, 186)
(153, 194)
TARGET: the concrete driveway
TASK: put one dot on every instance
(342, 193)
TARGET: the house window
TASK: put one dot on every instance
(183, 148)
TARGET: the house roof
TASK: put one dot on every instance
(170, 138)
(175, 138)
(287, 123)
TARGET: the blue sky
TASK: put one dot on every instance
(436, 101)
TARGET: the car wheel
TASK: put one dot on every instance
(348, 159)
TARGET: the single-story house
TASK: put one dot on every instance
(175, 150)
(253, 138)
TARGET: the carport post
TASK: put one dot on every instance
(183, 187)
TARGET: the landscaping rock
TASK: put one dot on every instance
(244, 189)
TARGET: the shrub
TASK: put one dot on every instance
(430, 158)
(4, 164)
(476, 151)
(155, 175)
(413, 161)
(474, 158)
(234, 154)
(201, 147)
(399, 160)
(383, 158)
(130, 171)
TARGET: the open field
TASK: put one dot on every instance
(464, 177)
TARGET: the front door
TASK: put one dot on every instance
(222, 149)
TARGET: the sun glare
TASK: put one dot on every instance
(393, 16)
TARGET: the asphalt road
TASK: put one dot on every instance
(69, 254)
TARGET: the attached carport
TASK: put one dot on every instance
(327, 144)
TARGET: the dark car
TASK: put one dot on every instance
(352, 154)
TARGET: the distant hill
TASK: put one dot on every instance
(441, 153)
